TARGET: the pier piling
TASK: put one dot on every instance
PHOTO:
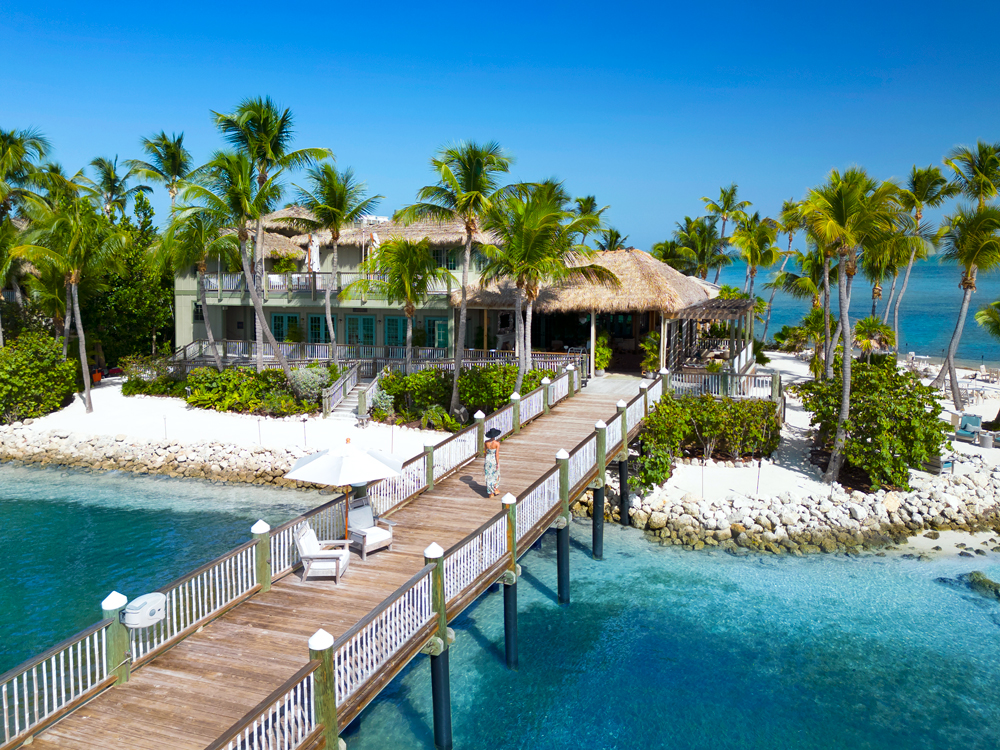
(510, 585)
(562, 528)
(597, 545)
(440, 673)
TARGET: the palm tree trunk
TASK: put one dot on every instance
(264, 328)
(751, 278)
(826, 315)
(770, 302)
(519, 336)
(528, 365)
(68, 323)
(837, 456)
(462, 315)
(409, 343)
(329, 315)
(888, 302)
(84, 369)
(899, 299)
(839, 329)
(18, 297)
(208, 323)
(746, 280)
(257, 279)
(1, 327)
(874, 304)
(948, 366)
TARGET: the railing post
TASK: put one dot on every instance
(440, 674)
(117, 657)
(515, 399)
(480, 433)
(623, 492)
(262, 553)
(562, 528)
(429, 465)
(325, 685)
(288, 286)
(597, 545)
(775, 386)
(510, 584)
(644, 390)
(668, 380)
(571, 391)
(546, 396)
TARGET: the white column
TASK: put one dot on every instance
(593, 344)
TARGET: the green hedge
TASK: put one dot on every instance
(34, 378)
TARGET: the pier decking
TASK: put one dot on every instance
(191, 695)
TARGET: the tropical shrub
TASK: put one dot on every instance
(245, 391)
(34, 378)
(602, 352)
(151, 376)
(437, 417)
(309, 382)
(893, 424)
(651, 352)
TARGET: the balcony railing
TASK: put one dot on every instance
(311, 283)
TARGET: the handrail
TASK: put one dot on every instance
(62, 645)
(345, 383)
(383, 605)
(207, 566)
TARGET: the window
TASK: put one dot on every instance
(199, 314)
(446, 257)
(395, 330)
(318, 333)
(361, 329)
(437, 332)
(282, 325)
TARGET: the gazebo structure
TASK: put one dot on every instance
(688, 349)
(648, 293)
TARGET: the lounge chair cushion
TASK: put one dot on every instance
(308, 543)
(374, 535)
(360, 518)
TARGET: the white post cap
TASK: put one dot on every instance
(434, 551)
(643, 385)
(508, 499)
(664, 371)
(260, 527)
(320, 641)
(515, 395)
(479, 415)
(545, 381)
(621, 403)
(570, 367)
(562, 454)
(114, 600)
(599, 424)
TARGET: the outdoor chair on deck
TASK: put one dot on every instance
(367, 532)
(969, 427)
(319, 561)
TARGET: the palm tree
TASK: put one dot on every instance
(925, 188)
(813, 328)
(755, 237)
(8, 261)
(701, 237)
(808, 282)
(988, 318)
(676, 256)
(871, 335)
(976, 171)
(229, 194)
(611, 239)
(20, 151)
(850, 213)
(884, 260)
(75, 241)
(404, 271)
(791, 222)
(587, 206)
(334, 199)
(972, 239)
(169, 162)
(264, 133)
(726, 207)
(112, 188)
(534, 232)
(189, 241)
(468, 185)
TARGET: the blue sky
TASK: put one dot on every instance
(648, 107)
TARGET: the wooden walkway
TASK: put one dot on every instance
(190, 695)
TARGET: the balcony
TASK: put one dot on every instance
(300, 285)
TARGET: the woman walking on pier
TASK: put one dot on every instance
(492, 465)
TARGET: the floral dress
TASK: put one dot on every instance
(492, 470)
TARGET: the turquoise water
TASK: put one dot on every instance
(659, 648)
(667, 649)
(68, 539)
(927, 316)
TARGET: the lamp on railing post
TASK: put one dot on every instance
(325, 685)
(571, 370)
(429, 465)
(510, 584)
(116, 654)
(262, 553)
(480, 433)
(597, 546)
(515, 400)
(562, 528)
(623, 492)
(668, 383)
(438, 650)
(546, 395)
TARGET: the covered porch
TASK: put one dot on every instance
(690, 340)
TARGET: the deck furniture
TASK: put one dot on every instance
(367, 532)
(320, 561)
(936, 465)
(968, 427)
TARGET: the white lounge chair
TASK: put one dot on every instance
(319, 561)
(367, 532)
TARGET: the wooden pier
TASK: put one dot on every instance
(230, 667)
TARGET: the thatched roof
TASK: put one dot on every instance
(644, 284)
(439, 233)
(277, 245)
(717, 309)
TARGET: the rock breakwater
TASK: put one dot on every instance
(840, 521)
